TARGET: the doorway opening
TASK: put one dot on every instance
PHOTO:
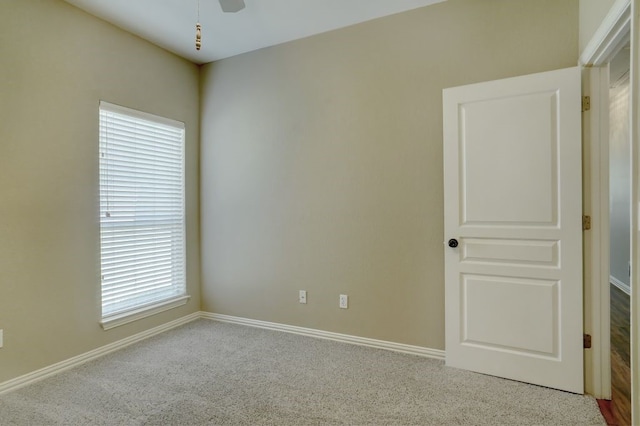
(620, 233)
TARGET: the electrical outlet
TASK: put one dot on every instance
(302, 297)
(344, 301)
(1, 338)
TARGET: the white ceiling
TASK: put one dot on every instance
(171, 23)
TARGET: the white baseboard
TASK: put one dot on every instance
(345, 338)
(622, 286)
(59, 367)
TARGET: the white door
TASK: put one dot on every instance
(513, 203)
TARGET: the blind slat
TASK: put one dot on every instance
(142, 235)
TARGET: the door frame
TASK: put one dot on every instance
(616, 30)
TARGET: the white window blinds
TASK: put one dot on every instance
(142, 227)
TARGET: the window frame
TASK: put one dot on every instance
(141, 310)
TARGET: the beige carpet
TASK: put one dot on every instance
(207, 373)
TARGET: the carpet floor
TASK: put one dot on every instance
(209, 373)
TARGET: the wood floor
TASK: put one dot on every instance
(620, 357)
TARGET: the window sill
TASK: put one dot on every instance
(126, 317)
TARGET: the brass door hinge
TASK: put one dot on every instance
(586, 103)
(586, 222)
(587, 341)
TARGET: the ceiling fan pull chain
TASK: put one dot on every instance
(198, 30)
(198, 36)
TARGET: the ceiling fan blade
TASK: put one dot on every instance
(232, 6)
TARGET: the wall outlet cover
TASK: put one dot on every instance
(344, 301)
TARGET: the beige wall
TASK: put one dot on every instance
(56, 63)
(321, 163)
(592, 12)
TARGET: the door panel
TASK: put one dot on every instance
(512, 173)
(493, 148)
(532, 306)
(538, 252)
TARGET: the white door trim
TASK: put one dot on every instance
(614, 32)
(635, 219)
(595, 131)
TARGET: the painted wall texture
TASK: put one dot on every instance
(592, 12)
(57, 63)
(321, 163)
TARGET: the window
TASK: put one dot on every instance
(142, 226)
